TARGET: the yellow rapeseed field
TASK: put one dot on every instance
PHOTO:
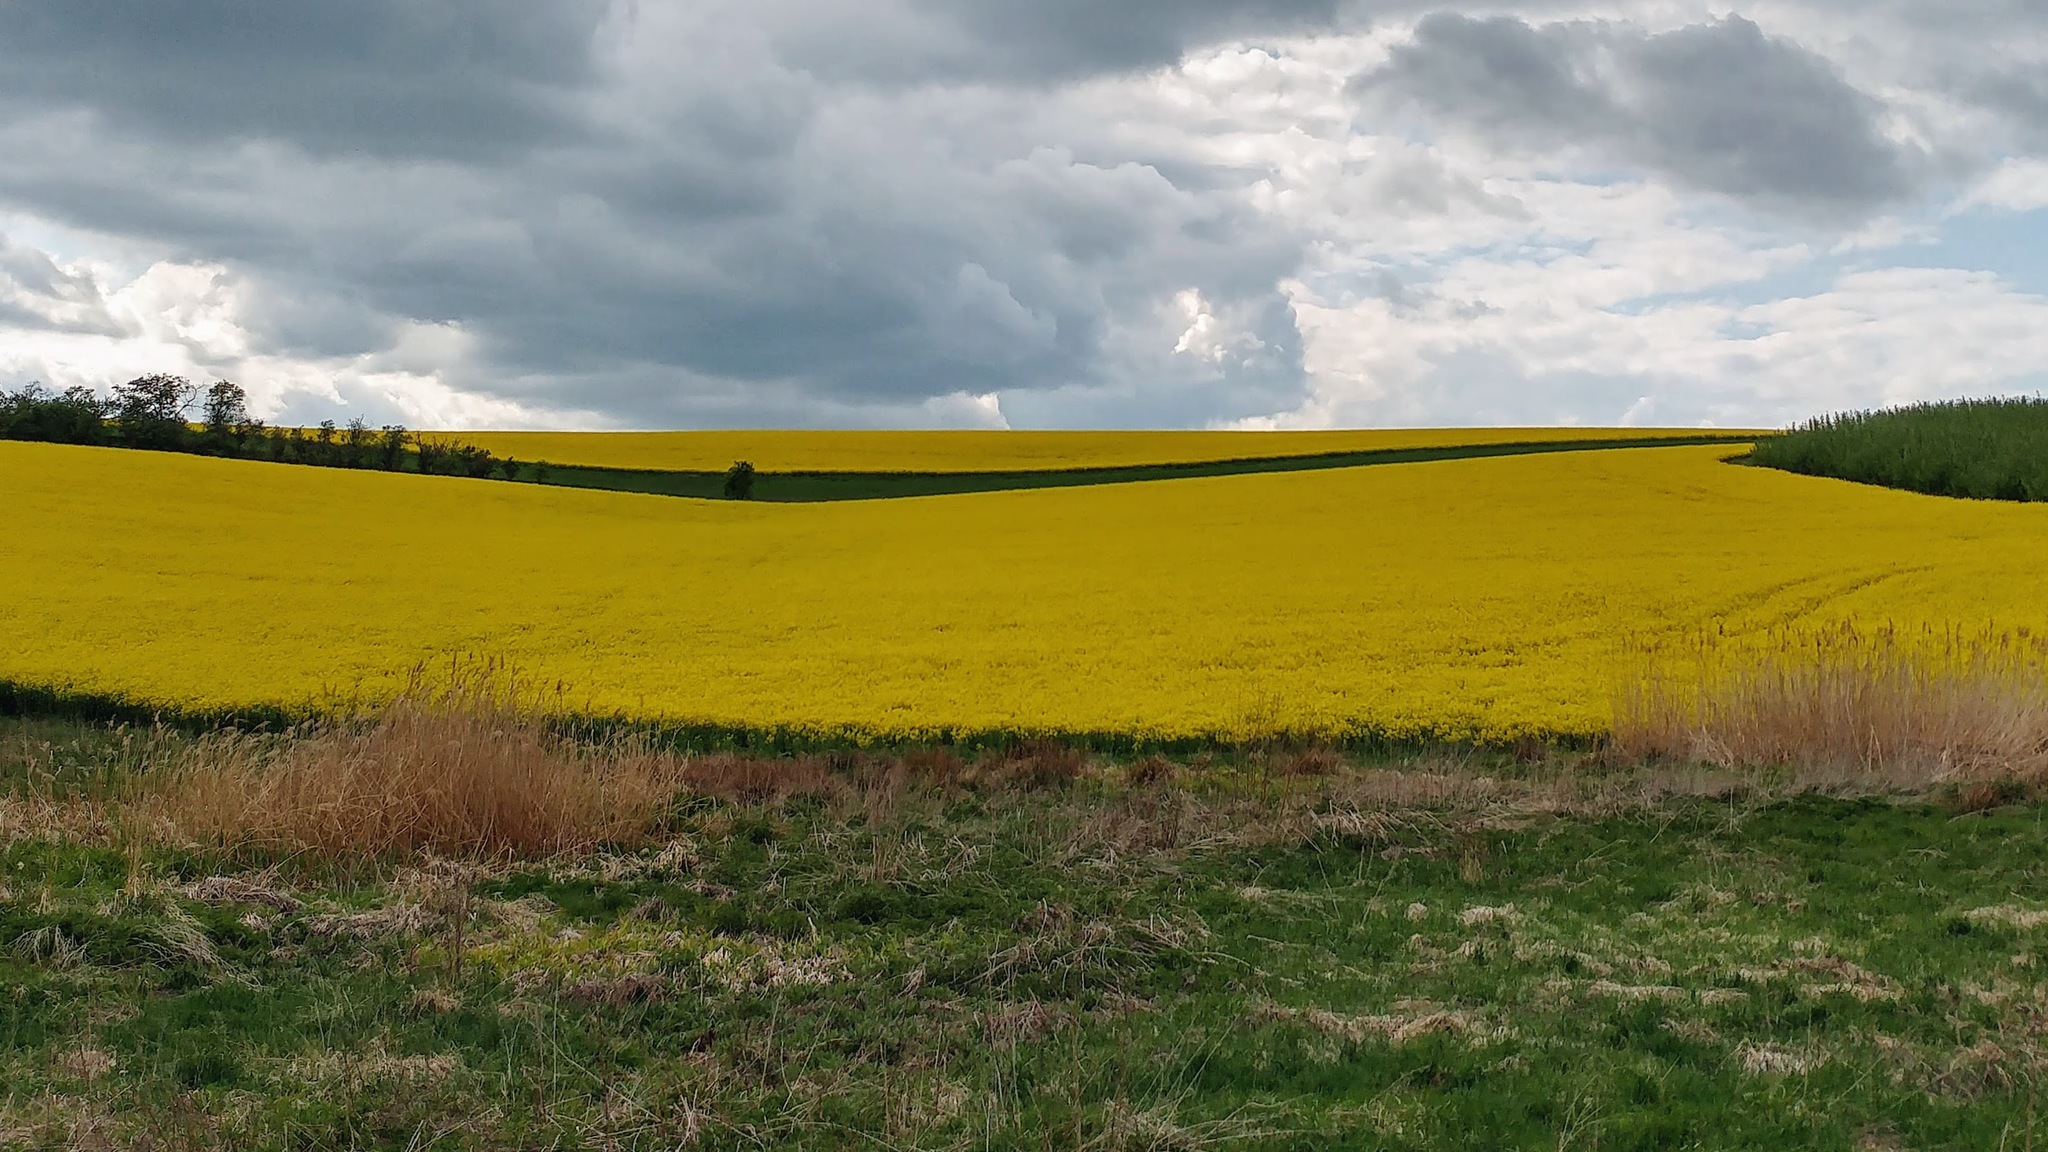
(843, 451)
(1486, 597)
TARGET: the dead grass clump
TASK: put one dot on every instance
(1882, 706)
(1012, 1024)
(936, 768)
(1037, 765)
(618, 991)
(1314, 760)
(75, 821)
(457, 772)
(1152, 771)
(745, 779)
(1984, 795)
(1777, 1059)
(1411, 1020)
(242, 890)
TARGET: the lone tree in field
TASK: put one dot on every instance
(150, 410)
(739, 481)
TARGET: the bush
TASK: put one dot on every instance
(75, 417)
(1985, 449)
(434, 455)
(475, 463)
(739, 481)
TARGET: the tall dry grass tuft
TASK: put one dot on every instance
(1885, 704)
(461, 770)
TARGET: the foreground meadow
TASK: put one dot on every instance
(1488, 599)
(1037, 949)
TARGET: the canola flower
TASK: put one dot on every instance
(1482, 598)
(985, 451)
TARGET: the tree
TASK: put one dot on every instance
(75, 417)
(393, 445)
(358, 440)
(225, 411)
(739, 481)
(434, 455)
(474, 462)
(150, 410)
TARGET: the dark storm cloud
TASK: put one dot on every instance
(423, 77)
(639, 207)
(2022, 97)
(803, 211)
(1053, 39)
(1721, 106)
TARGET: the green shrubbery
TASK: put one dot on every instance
(739, 481)
(154, 412)
(76, 416)
(1985, 449)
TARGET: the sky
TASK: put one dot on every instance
(1063, 213)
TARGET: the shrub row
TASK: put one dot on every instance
(153, 412)
(1984, 449)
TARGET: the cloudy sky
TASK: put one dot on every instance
(918, 213)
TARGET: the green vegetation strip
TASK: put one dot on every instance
(1981, 449)
(26, 701)
(1144, 966)
(806, 487)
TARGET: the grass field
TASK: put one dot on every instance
(1273, 953)
(968, 451)
(1477, 598)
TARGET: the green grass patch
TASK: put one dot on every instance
(808, 487)
(1218, 960)
(1981, 449)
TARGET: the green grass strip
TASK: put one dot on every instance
(45, 702)
(813, 487)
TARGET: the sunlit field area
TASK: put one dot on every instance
(1485, 599)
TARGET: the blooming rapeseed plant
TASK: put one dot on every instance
(1464, 598)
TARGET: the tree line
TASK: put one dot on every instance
(155, 412)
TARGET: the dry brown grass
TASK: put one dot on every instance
(470, 771)
(459, 772)
(1887, 707)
